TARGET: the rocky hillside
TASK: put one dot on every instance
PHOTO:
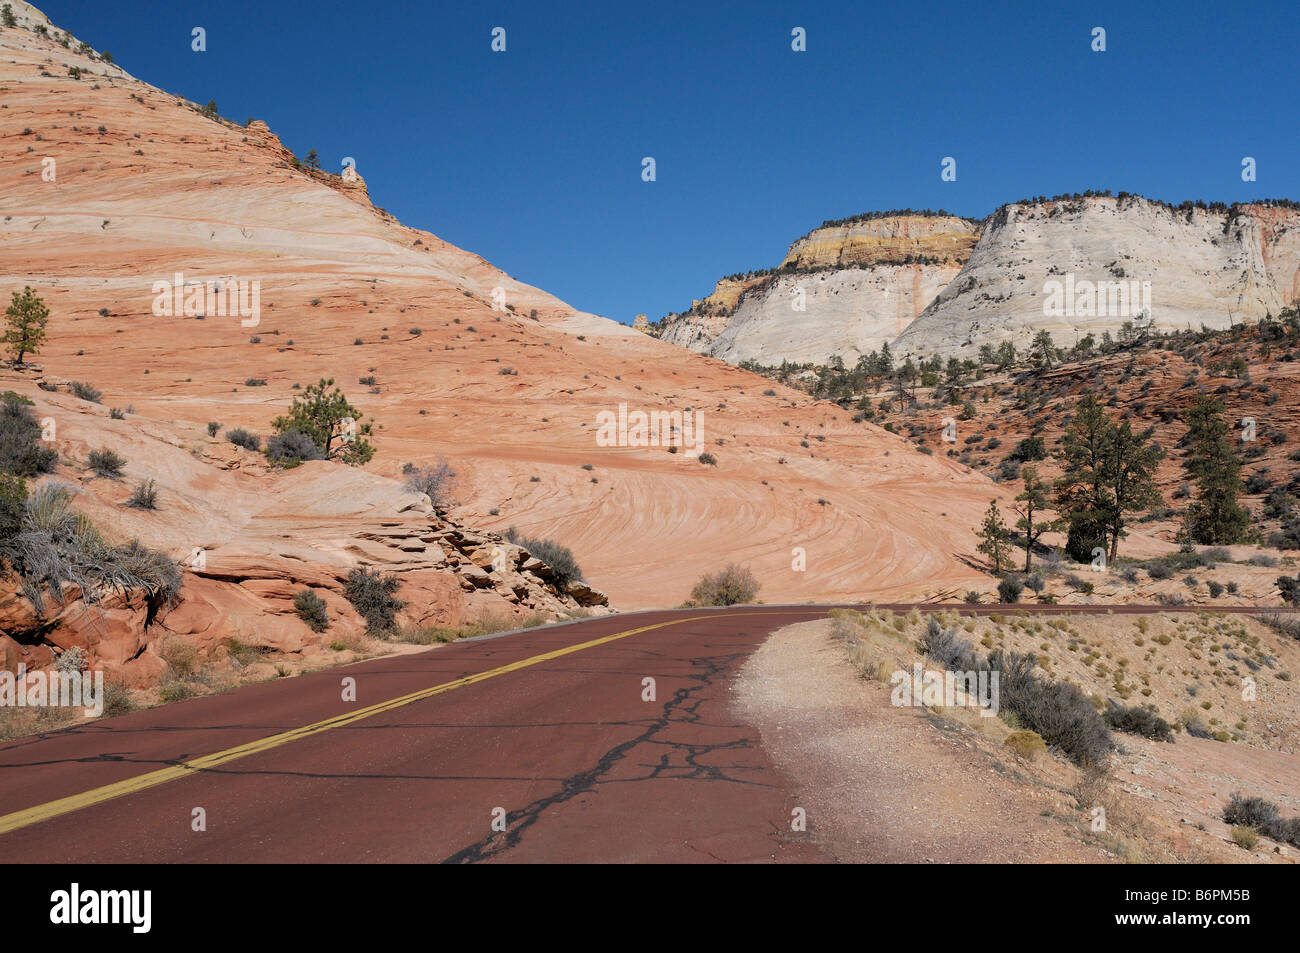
(843, 290)
(446, 354)
(937, 285)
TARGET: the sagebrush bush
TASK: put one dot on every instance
(563, 565)
(243, 438)
(730, 586)
(372, 595)
(145, 496)
(311, 609)
(1139, 721)
(1058, 711)
(1010, 589)
(106, 462)
(86, 391)
(437, 481)
(21, 450)
(292, 447)
(213, 427)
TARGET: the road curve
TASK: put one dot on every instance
(533, 746)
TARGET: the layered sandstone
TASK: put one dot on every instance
(501, 378)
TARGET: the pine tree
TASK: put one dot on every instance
(312, 161)
(1033, 499)
(7, 15)
(1215, 517)
(326, 418)
(1043, 350)
(994, 537)
(1131, 464)
(1108, 471)
(26, 316)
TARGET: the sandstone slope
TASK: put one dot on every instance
(147, 187)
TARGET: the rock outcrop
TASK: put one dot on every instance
(843, 290)
(1192, 266)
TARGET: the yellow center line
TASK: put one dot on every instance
(77, 802)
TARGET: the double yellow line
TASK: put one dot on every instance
(77, 802)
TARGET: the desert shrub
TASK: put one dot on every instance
(564, 567)
(973, 598)
(57, 548)
(1253, 812)
(1139, 721)
(372, 595)
(1035, 582)
(1245, 838)
(1058, 711)
(1025, 744)
(181, 656)
(242, 438)
(86, 391)
(255, 382)
(437, 481)
(1216, 589)
(1290, 588)
(106, 462)
(116, 413)
(312, 610)
(1078, 584)
(730, 586)
(21, 450)
(1193, 725)
(708, 459)
(13, 501)
(1010, 589)
(73, 660)
(117, 700)
(1029, 450)
(145, 496)
(213, 427)
(1129, 574)
(292, 447)
(1160, 571)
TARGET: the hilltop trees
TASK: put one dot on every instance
(1215, 517)
(7, 15)
(330, 422)
(1043, 351)
(26, 318)
(1108, 471)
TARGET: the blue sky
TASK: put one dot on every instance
(532, 157)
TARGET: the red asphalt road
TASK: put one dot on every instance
(584, 769)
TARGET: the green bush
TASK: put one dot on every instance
(371, 594)
(21, 449)
(564, 567)
(145, 496)
(243, 438)
(213, 427)
(106, 463)
(86, 391)
(731, 586)
(1010, 589)
(312, 610)
(1139, 721)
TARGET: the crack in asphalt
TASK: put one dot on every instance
(682, 708)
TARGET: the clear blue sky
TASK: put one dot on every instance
(532, 157)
